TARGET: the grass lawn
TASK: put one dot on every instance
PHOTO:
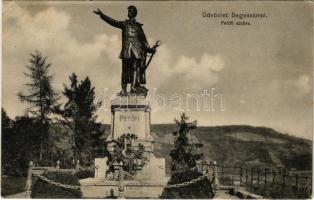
(12, 185)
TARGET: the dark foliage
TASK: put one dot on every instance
(184, 157)
(277, 191)
(12, 185)
(79, 115)
(19, 144)
(184, 154)
(199, 190)
(6, 141)
(296, 160)
(84, 174)
(42, 189)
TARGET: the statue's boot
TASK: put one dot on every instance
(133, 88)
(144, 88)
(123, 92)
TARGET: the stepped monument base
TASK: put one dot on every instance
(132, 171)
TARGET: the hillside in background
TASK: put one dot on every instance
(239, 145)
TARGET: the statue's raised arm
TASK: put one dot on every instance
(109, 20)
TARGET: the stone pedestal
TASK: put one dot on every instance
(101, 168)
(129, 114)
(154, 170)
(132, 189)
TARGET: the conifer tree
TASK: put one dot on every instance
(184, 154)
(184, 171)
(40, 95)
(79, 115)
(6, 130)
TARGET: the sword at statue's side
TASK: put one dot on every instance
(154, 47)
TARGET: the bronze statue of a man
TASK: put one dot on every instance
(134, 50)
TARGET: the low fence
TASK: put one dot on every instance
(38, 171)
(261, 179)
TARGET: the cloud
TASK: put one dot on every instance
(48, 31)
(192, 73)
(242, 101)
(299, 87)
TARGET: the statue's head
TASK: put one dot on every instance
(132, 12)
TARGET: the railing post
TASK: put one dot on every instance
(258, 173)
(73, 163)
(28, 186)
(215, 174)
(240, 174)
(265, 175)
(121, 186)
(246, 176)
(251, 184)
(58, 164)
(77, 167)
(274, 176)
(234, 169)
(284, 178)
(297, 182)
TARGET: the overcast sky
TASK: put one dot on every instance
(264, 71)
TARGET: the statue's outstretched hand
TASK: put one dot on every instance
(98, 12)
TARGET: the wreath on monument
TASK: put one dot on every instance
(126, 155)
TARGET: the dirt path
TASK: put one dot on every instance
(17, 196)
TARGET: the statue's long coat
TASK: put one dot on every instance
(133, 42)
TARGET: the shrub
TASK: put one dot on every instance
(42, 189)
(276, 191)
(231, 191)
(12, 185)
(200, 190)
(84, 174)
(239, 194)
